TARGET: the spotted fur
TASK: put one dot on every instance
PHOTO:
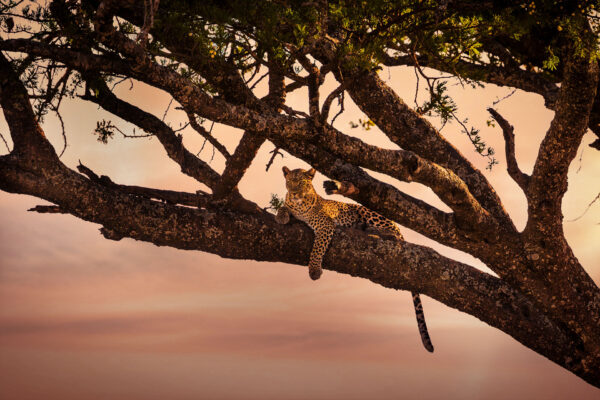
(323, 215)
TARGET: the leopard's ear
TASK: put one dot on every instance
(285, 170)
(311, 172)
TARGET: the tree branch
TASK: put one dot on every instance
(412, 132)
(238, 164)
(528, 81)
(48, 209)
(509, 142)
(397, 265)
(251, 142)
(198, 199)
(553, 275)
(189, 163)
(207, 135)
(559, 147)
(27, 136)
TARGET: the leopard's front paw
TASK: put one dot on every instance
(344, 188)
(331, 187)
(314, 272)
(283, 216)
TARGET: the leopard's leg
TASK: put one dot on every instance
(378, 223)
(323, 234)
(283, 215)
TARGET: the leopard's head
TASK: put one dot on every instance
(299, 180)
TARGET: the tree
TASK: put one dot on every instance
(209, 56)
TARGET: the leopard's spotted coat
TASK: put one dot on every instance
(323, 215)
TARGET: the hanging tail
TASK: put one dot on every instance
(421, 322)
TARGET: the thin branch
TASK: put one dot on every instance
(150, 9)
(328, 100)
(207, 135)
(167, 110)
(128, 136)
(198, 199)
(512, 166)
(498, 101)
(273, 153)
(5, 142)
(263, 76)
(62, 130)
(314, 81)
(53, 209)
(341, 100)
(587, 209)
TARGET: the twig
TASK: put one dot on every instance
(207, 135)
(505, 97)
(275, 152)
(134, 136)
(167, 110)
(587, 208)
(291, 111)
(121, 81)
(182, 127)
(5, 142)
(263, 76)
(62, 126)
(580, 160)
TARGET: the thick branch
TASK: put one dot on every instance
(559, 147)
(238, 164)
(28, 138)
(554, 263)
(392, 264)
(409, 167)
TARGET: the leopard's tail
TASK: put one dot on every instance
(421, 322)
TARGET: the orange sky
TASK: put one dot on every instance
(82, 317)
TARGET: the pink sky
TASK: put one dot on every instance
(87, 318)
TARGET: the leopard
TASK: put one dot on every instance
(323, 215)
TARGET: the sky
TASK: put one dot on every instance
(82, 317)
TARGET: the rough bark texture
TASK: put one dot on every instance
(542, 296)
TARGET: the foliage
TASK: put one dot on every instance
(276, 202)
(105, 131)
